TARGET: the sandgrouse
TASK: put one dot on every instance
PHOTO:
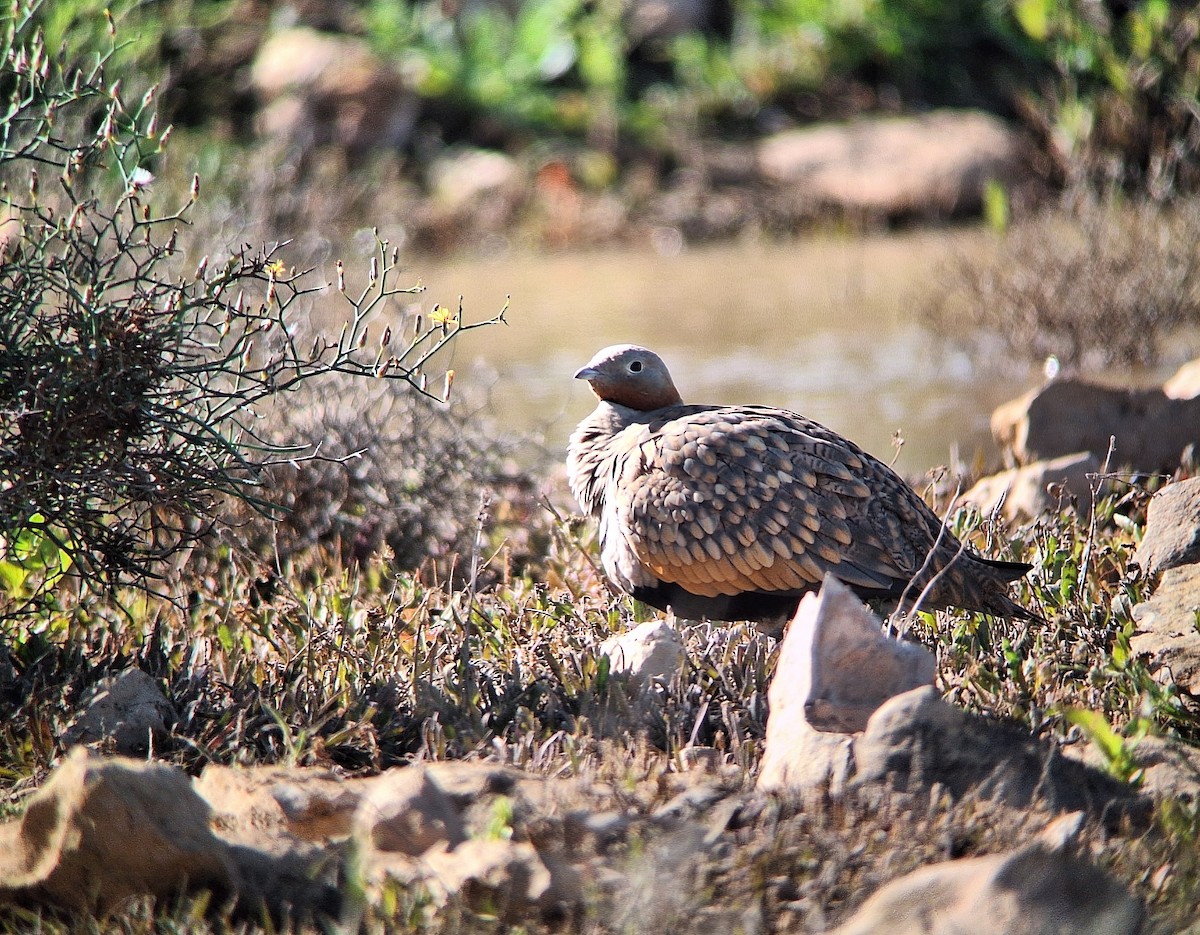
(734, 512)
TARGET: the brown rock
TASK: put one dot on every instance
(1070, 416)
(507, 878)
(128, 710)
(404, 811)
(1172, 535)
(1167, 630)
(1037, 890)
(101, 832)
(1029, 491)
(278, 809)
(932, 164)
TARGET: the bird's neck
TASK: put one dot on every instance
(590, 457)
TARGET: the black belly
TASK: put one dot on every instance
(754, 606)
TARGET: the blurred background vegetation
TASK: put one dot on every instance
(1109, 88)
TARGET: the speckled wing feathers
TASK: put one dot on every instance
(732, 499)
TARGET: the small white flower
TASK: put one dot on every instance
(140, 179)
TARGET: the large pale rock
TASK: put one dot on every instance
(1029, 491)
(835, 668)
(1184, 383)
(464, 176)
(1167, 629)
(1037, 890)
(323, 88)
(1172, 535)
(103, 831)
(836, 658)
(650, 651)
(127, 710)
(932, 164)
(1068, 416)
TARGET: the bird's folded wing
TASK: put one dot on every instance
(750, 499)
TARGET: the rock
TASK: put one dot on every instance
(405, 812)
(103, 831)
(321, 88)
(1069, 416)
(1037, 890)
(1167, 630)
(917, 740)
(650, 651)
(1029, 491)
(505, 878)
(466, 175)
(1184, 383)
(1172, 535)
(798, 757)
(664, 19)
(277, 809)
(128, 710)
(839, 664)
(932, 164)
(1170, 770)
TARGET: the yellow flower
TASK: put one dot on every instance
(441, 315)
(276, 268)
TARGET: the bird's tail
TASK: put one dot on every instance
(1007, 571)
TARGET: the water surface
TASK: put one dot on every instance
(827, 327)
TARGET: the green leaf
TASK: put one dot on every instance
(1034, 17)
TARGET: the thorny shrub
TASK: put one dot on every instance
(1104, 285)
(128, 381)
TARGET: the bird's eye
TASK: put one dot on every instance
(635, 367)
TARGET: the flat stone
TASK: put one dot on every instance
(1172, 535)
(918, 740)
(1037, 890)
(934, 164)
(1029, 491)
(649, 651)
(1069, 416)
(127, 710)
(1167, 628)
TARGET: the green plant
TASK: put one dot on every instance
(130, 382)
(1122, 108)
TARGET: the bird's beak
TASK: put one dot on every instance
(586, 373)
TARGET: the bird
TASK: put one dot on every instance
(734, 513)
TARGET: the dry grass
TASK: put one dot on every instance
(349, 661)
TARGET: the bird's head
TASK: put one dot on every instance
(632, 376)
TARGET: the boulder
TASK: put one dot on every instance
(1026, 492)
(935, 164)
(464, 176)
(319, 88)
(1167, 629)
(917, 740)
(405, 812)
(650, 651)
(127, 712)
(1184, 383)
(103, 831)
(1036, 890)
(1172, 535)
(1069, 416)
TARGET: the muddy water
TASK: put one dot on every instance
(828, 327)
